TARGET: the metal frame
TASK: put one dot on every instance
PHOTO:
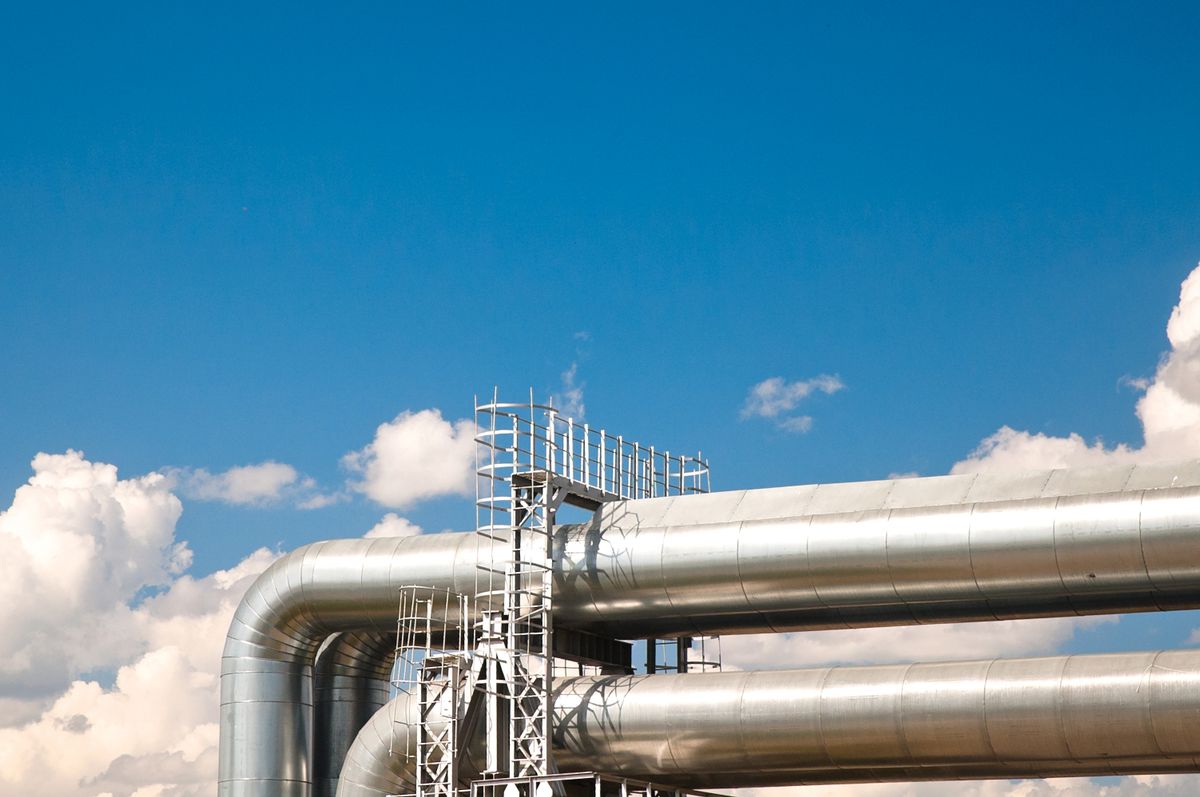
(530, 460)
(432, 637)
(600, 786)
(692, 654)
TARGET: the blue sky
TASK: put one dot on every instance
(238, 234)
(235, 234)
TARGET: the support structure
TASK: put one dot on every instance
(433, 668)
(531, 462)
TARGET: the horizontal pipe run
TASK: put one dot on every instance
(1040, 717)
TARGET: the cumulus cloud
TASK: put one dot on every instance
(775, 397)
(392, 525)
(416, 456)
(1169, 411)
(78, 548)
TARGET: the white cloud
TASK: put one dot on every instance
(569, 398)
(418, 455)
(392, 525)
(78, 545)
(244, 485)
(1169, 411)
(322, 500)
(799, 424)
(775, 396)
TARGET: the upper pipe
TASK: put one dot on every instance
(898, 552)
(941, 549)
(1115, 714)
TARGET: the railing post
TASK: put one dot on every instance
(653, 478)
(603, 449)
(637, 469)
(620, 466)
(571, 449)
(587, 456)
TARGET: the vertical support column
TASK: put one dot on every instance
(682, 646)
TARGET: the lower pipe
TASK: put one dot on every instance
(1120, 714)
(351, 677)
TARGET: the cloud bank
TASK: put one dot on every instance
(79, 549)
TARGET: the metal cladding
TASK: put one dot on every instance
(901, 552)
(350, 684)
(1070, 715)
(943, 549)
(382, 757)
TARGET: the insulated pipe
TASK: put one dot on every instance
(1116, 714)
(266, 740)
(351, 679)
(383, 756)
(940, 549)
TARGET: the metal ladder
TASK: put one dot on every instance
(432, 667)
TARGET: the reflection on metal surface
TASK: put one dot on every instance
(944, 549)
(1071, 715)
(350, 684)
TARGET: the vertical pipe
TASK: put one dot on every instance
(350, 683)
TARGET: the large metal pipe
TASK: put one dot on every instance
(1072, 715)
(942, 549)
(351, 681)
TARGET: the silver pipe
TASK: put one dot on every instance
(266, 743)
(1117, 714)
(942, 549)
(351, 679)
(382, 759)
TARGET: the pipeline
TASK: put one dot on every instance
(1089, 715)
(942, 549)
(350, 684)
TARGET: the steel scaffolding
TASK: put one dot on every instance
(531, 461)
